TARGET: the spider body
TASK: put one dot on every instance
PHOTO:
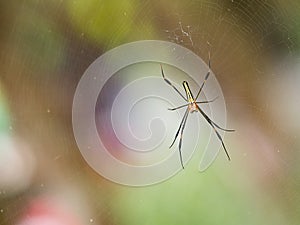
(191, 107)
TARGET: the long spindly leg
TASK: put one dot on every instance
(208, 101)
(169, 83)
(181, 123)
(216, 125)
(179, 107)
(201, 102)
(180, 140)
(217, 133)
(205, 79)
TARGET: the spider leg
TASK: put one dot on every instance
(180, 141)
(208, 101)
(169, 83)
(216, 125)
(179, 107)
(176, 135)
(206, 77)
(217, 133)
(201, 102)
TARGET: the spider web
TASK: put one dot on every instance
(254, 48)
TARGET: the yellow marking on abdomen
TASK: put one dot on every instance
(188, 92)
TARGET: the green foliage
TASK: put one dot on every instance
(190, 197)
(109, 23)
(102, 21)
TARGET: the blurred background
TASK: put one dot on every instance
(47, 45)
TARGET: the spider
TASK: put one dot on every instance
(192, 106)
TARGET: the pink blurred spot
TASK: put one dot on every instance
(47, 212)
